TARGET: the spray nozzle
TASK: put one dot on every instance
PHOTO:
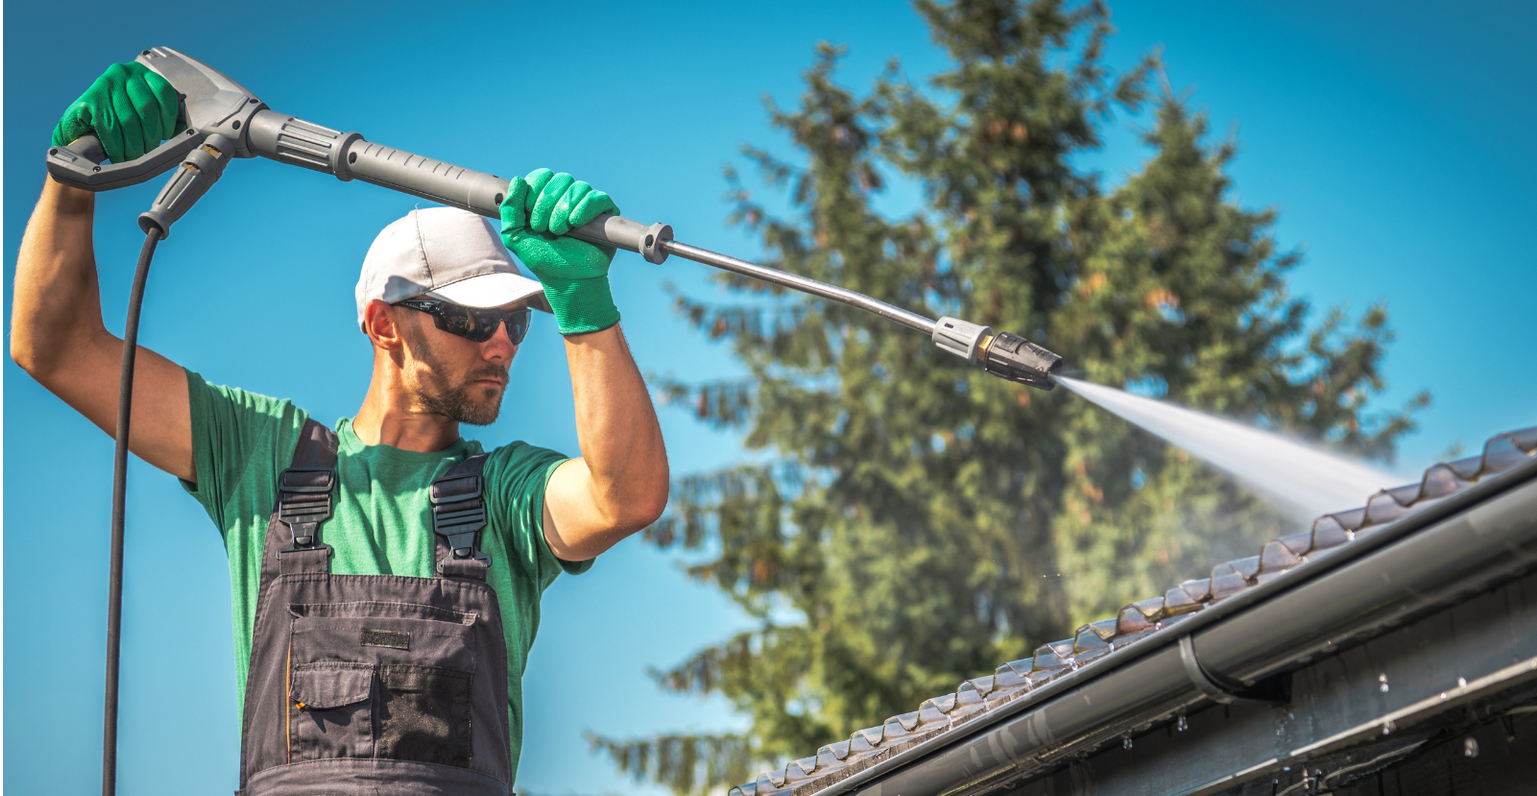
(1004, 354)
(1017, 359)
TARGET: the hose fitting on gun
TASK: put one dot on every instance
(1005, 354)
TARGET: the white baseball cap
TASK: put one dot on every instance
(444, 253)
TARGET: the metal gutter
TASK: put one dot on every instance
(1464, 542)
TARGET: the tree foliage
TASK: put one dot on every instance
(921, 522)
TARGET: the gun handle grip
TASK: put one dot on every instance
(77, 164)
(88, 148)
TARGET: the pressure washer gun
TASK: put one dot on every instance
(226, 121)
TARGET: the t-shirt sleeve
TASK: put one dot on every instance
(517, 475)
(233, 430)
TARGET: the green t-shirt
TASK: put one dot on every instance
(242, 441)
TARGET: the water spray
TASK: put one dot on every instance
(1295, 477)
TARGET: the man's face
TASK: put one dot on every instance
(452, 376)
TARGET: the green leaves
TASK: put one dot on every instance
(688, 764)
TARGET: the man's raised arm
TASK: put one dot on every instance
(619, 486)
(57, 334)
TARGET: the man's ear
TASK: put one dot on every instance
(381, 323)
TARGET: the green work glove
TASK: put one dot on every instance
(130, 108)
(538, 211)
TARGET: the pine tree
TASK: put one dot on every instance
(921, 522)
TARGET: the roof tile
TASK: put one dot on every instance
(1133, 620)
(865, 741)
(1277, 557)
(1086, 640)
(1178, 600)
(1384, 508)
(1328, 533)
(935, 711)
(800, 770)
(1227, 580)
(833, 752)
(1047, 656)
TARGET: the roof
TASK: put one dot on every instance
(984, 700)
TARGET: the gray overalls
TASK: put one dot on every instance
(376, 685)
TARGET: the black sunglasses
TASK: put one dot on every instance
(473, 323)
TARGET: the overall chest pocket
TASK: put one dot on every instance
(387, 680)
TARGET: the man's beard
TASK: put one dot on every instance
(453, 401)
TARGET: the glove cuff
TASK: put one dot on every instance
(581, 306)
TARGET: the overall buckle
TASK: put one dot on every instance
(305, 503)
(458, 514)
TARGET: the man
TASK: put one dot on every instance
(386, 574)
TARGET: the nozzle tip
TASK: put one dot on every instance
(1017, 359)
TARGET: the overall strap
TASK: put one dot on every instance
(458, 515)
(304, 501)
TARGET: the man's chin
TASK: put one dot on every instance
(466, 406)
(485, 412)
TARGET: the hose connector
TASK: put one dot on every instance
(961, 338)
(200, 169)
(1006, 355)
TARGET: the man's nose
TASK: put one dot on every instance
(500, 346)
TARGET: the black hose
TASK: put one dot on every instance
(119, 496)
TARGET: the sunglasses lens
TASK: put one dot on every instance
(461, 321)
(518, 322)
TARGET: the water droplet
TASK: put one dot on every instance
(1382, 681)
(1388, 727)
(1470, 747)
(1462, 682)
(1126, 742)
(1182, 725)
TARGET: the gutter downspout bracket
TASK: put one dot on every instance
(1273, 691)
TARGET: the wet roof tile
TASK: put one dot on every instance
(973, 698)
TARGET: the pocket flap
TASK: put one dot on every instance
(331, 684)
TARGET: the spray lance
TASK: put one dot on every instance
(224, 121)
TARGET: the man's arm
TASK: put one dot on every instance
(58, 337)
(619, 486)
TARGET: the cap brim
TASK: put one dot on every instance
(494, 290)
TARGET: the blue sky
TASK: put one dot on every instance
(1394, 139)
